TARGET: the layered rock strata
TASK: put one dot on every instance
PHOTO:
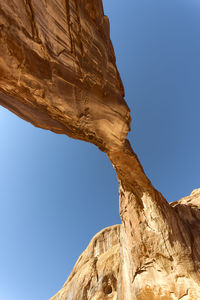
(58, 71)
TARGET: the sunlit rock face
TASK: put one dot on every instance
(96, 273)
(159, 247)
(141, 260)
(58, 71)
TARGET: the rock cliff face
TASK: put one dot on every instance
(96, 274)
(159, 271)
(57, 71)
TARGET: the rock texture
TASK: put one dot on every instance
(58, 71)
(159, 271)
(96, 273)
(159, 249)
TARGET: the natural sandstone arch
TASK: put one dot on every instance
(57, 71)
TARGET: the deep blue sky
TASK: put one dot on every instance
(57, 193)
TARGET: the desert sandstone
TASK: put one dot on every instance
(58, 71)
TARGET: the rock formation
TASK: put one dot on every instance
(58, 71)
(96, 274)
(147, 259)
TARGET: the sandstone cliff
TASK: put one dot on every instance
(96, 274)
(143, 260)
(57, 71)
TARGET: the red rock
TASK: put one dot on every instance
(58, 71)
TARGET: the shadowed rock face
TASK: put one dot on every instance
(57, 71)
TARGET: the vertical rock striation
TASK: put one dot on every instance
(58, 71)
(159, 244)
(96, 273)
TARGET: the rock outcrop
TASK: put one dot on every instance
(58, 71)
(96, 273)
(102, 271)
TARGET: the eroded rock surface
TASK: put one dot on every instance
(161, 266)
(159, 247)
(58, 71)
(96, 273)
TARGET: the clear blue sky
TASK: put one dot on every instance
(57, 193)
